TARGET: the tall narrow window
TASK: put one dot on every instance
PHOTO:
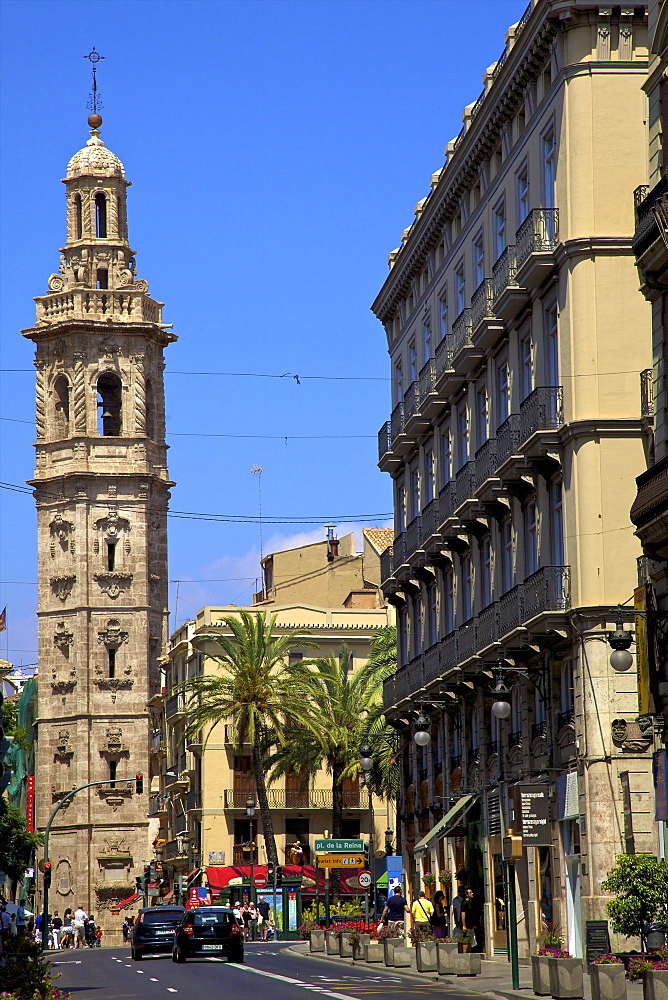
(426, 339)
(100, 216)
(61, 397)
(522, 189)
(109, 403)
(485, 572)
(414, 490)
(502, 392)
(506, 540)
(567, 685)
(443, 315)
(557, 522)
(401, 510)
(429, 490)
(102, 277)
(530, 537)
(111, 656)
(151, 428)
(402, 629)
(112, 773)
(78, 218)
(412, 362)
(432, 614)
(549, 171)
(398, 382)
(475, 730)
(416, 607)
(446, 457)
(499, 221)
(526, 366)
(481, 415)
(449, 603)
(467, 595)
(111, 556)
(463, 435)
(460, 289)
(478, 261)
(551, 346)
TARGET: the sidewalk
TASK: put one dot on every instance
(495, 978)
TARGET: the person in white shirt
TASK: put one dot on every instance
(80, 918)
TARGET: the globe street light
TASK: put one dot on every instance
(422, 735)
(501, 704)
(620, 640)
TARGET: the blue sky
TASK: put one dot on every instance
(276, 151)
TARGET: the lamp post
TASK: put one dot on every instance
(367, 764)
(250, 812)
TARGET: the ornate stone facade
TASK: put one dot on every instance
(102, 490)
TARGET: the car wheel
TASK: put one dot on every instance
(135, 955)
(180, 957)
(173, 956)
(238, 957)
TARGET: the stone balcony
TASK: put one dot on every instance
(285, 798)
(176, 707)
(126, 306)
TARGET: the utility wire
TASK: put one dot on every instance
(262, 437)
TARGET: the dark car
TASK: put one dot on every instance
(209, 931)
(153, 930)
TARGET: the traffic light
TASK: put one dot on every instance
(270, 873)
(279, 874)
(5, 743)
(139, 883)
(147, 876)
(139, 784)
(151, 872)
(47, 874)
(367, 856)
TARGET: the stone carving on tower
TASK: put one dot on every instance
(101, 488)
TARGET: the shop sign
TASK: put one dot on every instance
(535, 807)
(597, 939)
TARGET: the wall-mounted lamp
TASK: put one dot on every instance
(422, 726)
(620, 640)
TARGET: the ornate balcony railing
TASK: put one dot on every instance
(194, 799)
(488, 626)
(566, 718)
(156, 805)
(538, 730)
(510, 610)
(647, 393)
(467, 640)
(504, 272)
(414, 536)
(539, 233)
(449, 651)
(127, 306)
(399, 551)
(397, 421)
(410, 401)
(175, 705)
(443, 356)
(507, 438)
(482, 303)
(548, 589)
(447, 500)
(432, 663)
(542, 410)
(647, 228)
(423, 774)
(515, 739)
(241, 854)
(295, 798)
(464, 484)
(461, 332)
(386, 559)
(427, 379)
(431, 518)
(389, 691)
(384, 439)
(485, 462)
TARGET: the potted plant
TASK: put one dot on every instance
(653, 970)
(446, 953)
(640, 884)
(566, 980)
(390, 939)
(445, 876)
(332, 940)
(357, 940)
(540, 973)
(425, 948)
(429, 879)
(315, 935)
(607, 976)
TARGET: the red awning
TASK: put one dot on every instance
(219, 877)
(126, 902)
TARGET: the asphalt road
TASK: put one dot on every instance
(269, 973)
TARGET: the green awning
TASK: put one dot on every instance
(444, 825)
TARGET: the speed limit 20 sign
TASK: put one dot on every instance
(364, 879)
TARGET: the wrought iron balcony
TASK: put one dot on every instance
(461, 333)
(548, 589)
(194, 800)
(384, 440)
(158, 744)
(467, 640)
(443, 357)
(464, 484)
(176, 705)
(432, 663)
(482, 303)
(455, 761)
(488, 625)
(410, 401)
(566, 718)
(157, 805)
(510, 610)
(647, 393)
(646, 202)
(423, 774)
(398, 552)
(431, 519)
(507, 439)
(542, 410)
(449, 651)
(538, 730)
(485, 463)
(538, 234)
(386, 564)
(389, 692)
(447, 500)
(493, 747)
(515, 739)
(503, 272)
(426, 381)
(397, 421)
(414, 536)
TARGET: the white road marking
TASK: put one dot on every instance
(140, 972)
(67, 963)
(293, 982)
(154, 980)
(170, 990)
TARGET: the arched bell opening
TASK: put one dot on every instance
(61, 406)
(100, 216)
(109, 402)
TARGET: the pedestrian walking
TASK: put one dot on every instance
(4, 923)
(90, 931)
(80, 918)
(264, 910)
(421, 911)
(126, 930)
(56, 925)
(457, 904)
(395, 909)
(21, 919)
(439, 919)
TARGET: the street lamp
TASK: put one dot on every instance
(250, 812)
(501, 704)
(620, 640)
(422, 735)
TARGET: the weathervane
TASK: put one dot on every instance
(94, 102)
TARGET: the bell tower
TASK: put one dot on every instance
(101, 491)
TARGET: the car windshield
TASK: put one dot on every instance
(213, 917)
(161, 916)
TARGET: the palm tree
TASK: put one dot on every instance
(249, 691)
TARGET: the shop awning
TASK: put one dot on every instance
(444, 825)
(126, 902)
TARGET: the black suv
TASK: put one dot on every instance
(209, 931)
(153, 930)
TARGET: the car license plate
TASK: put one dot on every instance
(212, 947)
(165, 932)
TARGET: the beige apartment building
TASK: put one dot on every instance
(520, 365)
(330, 594)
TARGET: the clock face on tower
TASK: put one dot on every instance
(102, 490)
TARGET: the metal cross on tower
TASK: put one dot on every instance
(94, 102)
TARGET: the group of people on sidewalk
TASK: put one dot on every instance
(432, 915)
(75, 929)
(256, 918)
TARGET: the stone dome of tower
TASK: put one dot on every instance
(95, 160)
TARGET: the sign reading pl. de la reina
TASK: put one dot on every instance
(335, 846)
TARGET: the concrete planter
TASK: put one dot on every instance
(467, 963)
(332, 942)
(359, 947)
(317, 940)
(426, 956)
(373, 952)
(389, 944)
(345, 946)
(608, 982)
(402, 957)
(566, 980)
(655, 985)
(540, 975)
(446, 952)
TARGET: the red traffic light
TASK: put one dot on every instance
(47, 873)
(139, 783)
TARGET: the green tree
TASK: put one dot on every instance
(248, 692)
(640, 882)
(16, 844)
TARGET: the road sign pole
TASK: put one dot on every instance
(327, 898)
(317, 892)
(366, 907)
